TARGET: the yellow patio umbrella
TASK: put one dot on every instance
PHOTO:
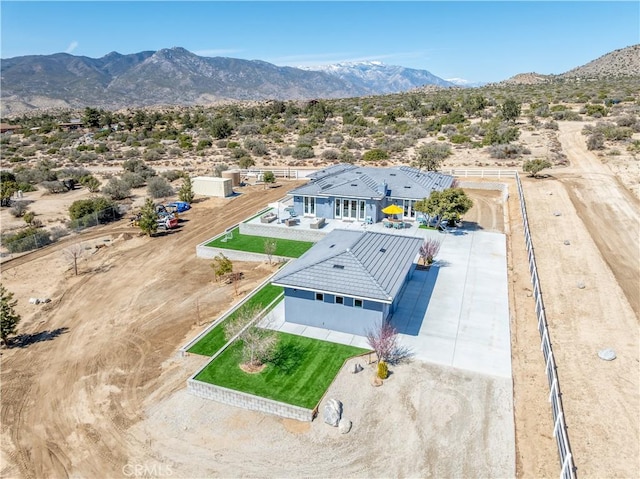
(393, 210)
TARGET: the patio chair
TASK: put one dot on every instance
(368, 220)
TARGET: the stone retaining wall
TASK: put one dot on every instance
(248, 401)
(208, 252)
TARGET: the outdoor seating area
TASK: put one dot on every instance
(268, 217)
(291, 221)
(393, 223)
(317, 223)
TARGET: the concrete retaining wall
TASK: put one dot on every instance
(207, 252)
(293, 232)
(248, 401)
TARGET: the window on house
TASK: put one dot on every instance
(357, 303)
(319, 297)
(339, 300)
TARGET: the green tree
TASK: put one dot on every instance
(268, 177)
(97, 204)
(533, 167)
(8, 186)
(222, 265)
(449, 204)
(148, 221)
(510, 109)
(220, 128)
(9, 319)
(92, 117)
(186, 190)
(430, 156)
(246, 162)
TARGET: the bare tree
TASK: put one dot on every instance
(73, 254)
(429, 250)
(384, 341)
(258, 342)
(270, 245)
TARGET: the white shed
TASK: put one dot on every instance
(212, 186)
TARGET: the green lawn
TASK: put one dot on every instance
(255, 244)
(300, 373)
(215, 339)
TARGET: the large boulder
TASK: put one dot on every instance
(332, 412)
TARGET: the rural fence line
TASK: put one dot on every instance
(277, 172)
(40, 237)
(568, 469)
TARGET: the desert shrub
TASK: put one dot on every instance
(595, 141)
(550, 125)
(58, 232)
(375, 155)
(335, 139)
(246, 162)
(256, 147)
(352, 144)
(132, 153)
(172, 175)
(627, 120)
(28, 217)
(459, 139)
(346, 157)
(302, 152)
(101, 148)
(138, 166)
(203, 144)
(116, 189)
(249, 129)
(383, 370)
(218, 169)
(97, 204)
(18, 208)
(566, 115)
(502, 152)
(159, 187)
(26, 239)
(54, 186)
(330, 154)
(133, 180)
(152, 155)
(596, 111)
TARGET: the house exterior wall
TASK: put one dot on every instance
(325, 207)
(301, 307)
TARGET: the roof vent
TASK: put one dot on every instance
(383, 250)
(392, 174)
(332, 246)
(338, 266)
(407, 187)
(353, 184)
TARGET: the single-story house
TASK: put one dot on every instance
(349, 281)
(350, 192)
(7, 128)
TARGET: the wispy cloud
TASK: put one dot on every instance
(216, 52)
(72, 46)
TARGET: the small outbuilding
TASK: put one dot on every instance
(212, 186)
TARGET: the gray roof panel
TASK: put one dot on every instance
(369, 265)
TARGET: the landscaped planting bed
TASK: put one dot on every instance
(300, 372)
(255, 244)
(215, 339)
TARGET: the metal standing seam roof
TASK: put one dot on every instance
(363, 182)
(354, 263)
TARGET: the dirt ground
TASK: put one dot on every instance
(96, 388)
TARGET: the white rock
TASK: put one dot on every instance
(607, 354)
(344, 426)
(332, 412)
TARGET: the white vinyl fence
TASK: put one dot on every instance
(568, 469)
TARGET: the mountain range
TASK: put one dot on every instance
(175, 76)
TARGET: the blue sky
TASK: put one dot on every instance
(476, 41)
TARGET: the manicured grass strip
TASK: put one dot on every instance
(255, 244)
(300, 373)
(215, 339)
